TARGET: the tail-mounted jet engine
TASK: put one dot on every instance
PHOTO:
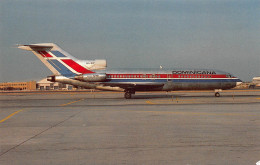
(94, 64)
(93, 77)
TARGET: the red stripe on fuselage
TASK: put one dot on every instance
(76, 66)
(44, 54)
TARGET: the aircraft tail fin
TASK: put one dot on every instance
(57, 60)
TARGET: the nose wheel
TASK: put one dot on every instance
(217, 92)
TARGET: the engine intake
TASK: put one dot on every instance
(95, 77)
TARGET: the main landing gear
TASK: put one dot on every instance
(217, 94)
(128, 93)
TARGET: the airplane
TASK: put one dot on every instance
(93, 74)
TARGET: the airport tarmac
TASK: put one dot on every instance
(188, 128)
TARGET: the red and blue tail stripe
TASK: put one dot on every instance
(63, 63)
(57, 60)
(58, 54)
(44, 54)
(62, 69)
(72, 64)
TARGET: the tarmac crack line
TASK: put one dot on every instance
(55, 125)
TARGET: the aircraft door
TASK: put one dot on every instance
(169, 77)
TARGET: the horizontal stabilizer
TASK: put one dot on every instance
(41, 46)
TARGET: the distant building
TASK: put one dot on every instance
(31, 85)
(44, 84)
(256, 80)
(47, 85)
(255, 83)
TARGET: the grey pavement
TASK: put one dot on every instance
(190, 128)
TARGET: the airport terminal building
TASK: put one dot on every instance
(44, 84)
(30, 85)
(33, 85)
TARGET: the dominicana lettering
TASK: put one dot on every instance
(192, 72)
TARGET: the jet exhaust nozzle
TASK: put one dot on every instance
(51, 78)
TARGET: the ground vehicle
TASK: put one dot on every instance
(255, 83)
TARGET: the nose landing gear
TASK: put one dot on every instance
(217, 94)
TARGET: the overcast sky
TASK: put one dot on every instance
(213, 34)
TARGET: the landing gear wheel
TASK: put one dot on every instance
(128, 95)
(217, 94)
